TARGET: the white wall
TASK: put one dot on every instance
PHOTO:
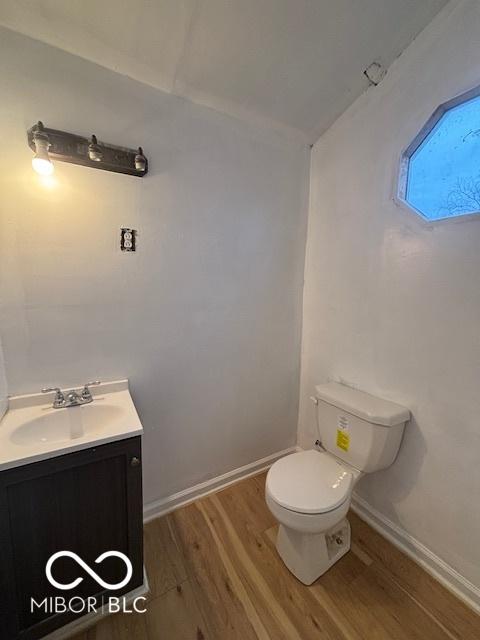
(205, 318)
(392, 305)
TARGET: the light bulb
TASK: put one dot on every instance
(42, 166)
(95, 152)
(140, 160)
(41, 160)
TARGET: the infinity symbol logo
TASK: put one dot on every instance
(91, 573)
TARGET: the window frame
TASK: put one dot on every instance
(407, 153)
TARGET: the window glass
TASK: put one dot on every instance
(443, 176)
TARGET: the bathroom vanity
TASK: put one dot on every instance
(70, 480)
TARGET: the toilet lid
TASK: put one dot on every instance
(309, 482)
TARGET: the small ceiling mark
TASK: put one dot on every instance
(375, 73)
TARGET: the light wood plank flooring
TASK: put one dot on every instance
(215, 575)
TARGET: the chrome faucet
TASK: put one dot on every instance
(73, 399)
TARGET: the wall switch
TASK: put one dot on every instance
(128, 239)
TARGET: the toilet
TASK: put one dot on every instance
(309, 492)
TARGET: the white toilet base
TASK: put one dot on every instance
(309, 555)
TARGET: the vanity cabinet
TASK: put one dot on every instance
(88, 502)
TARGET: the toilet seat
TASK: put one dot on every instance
(309, 482)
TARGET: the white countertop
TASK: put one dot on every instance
(32, 430)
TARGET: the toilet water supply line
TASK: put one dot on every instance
(318, 442)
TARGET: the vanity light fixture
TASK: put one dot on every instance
(41, 160)
(52, 144)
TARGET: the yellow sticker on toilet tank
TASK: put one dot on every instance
(343, 439)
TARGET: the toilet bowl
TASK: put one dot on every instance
(309, 492)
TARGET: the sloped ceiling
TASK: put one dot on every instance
(295, 64)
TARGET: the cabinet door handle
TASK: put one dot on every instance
(135, 462)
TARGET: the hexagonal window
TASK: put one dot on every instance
(440, 170)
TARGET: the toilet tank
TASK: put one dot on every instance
(361, 429)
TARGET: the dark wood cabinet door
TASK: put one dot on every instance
(88, 502)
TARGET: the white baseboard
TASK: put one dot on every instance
(165, 505)
(419, 553)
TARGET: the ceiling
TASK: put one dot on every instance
(295, 64)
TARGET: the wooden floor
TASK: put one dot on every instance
(214, 574)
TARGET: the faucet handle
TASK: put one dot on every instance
(51, 389)
(86, 394)
(59, 400)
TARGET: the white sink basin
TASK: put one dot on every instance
(33, 430)
(66, 424)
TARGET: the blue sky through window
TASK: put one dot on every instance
(444, 172)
